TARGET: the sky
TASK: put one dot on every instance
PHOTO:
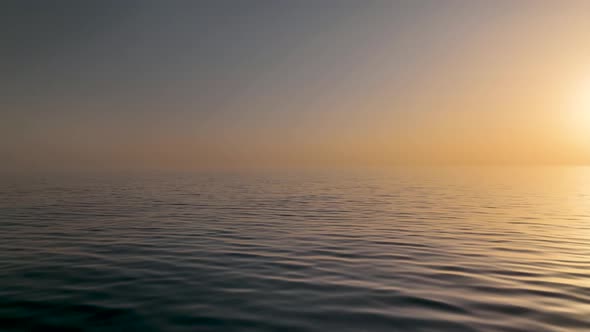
(276, 83)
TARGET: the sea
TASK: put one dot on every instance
(401, 249)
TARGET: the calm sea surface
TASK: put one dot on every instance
(462, 249)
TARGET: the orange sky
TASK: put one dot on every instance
(336, 84)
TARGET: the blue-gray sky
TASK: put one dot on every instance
(192, 84)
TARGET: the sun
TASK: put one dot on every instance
(580, 112)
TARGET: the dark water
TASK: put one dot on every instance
(402, 250)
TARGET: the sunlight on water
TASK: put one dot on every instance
(432, 249)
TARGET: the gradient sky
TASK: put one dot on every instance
(277, 83)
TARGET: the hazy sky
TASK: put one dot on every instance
(215, 84)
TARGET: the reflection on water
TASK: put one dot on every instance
(461, 249)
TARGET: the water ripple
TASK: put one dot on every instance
(452, 250)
